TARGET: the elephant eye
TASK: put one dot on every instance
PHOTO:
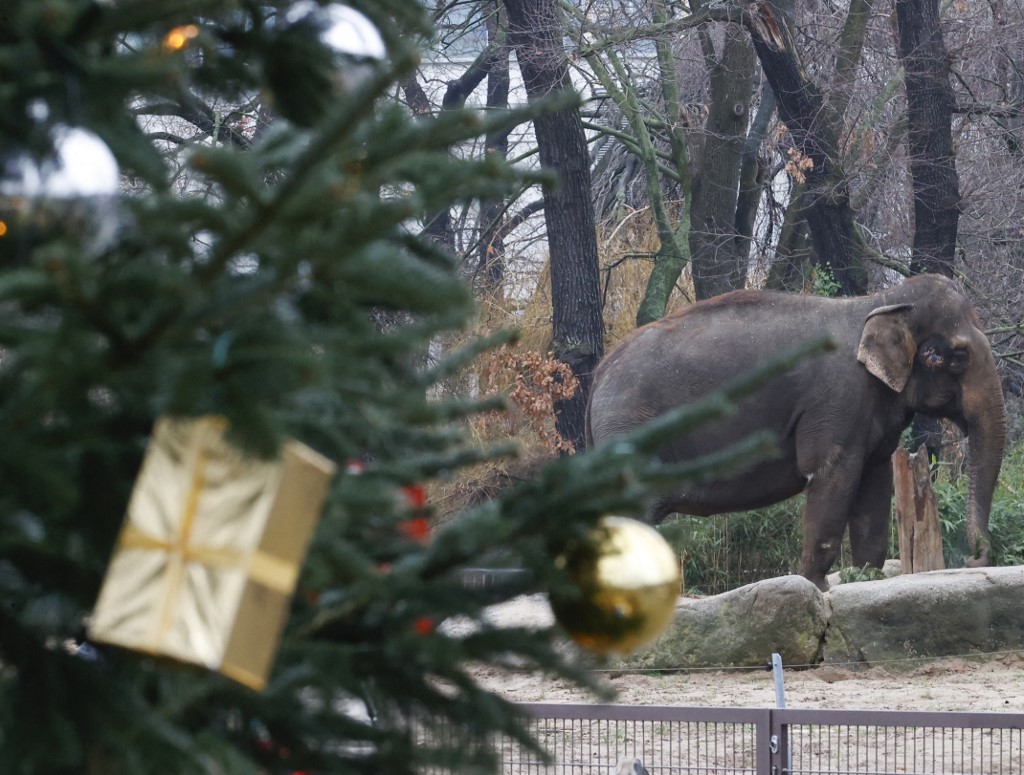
(931, 358)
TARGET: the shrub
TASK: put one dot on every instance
(727, 551)
(533, 383)
(1006, 522)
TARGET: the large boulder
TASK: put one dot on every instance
(934, 614)
(741, 628)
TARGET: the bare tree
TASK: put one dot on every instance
(930, 105)
(814, 127)
(717, 267)
(613, 73)
(491, 261)
(536, 31)
(873, 142)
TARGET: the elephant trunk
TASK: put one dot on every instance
(985, 415)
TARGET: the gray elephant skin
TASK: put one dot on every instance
(837, 417)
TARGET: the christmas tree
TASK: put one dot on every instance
(257, 257)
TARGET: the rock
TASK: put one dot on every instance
(741, 628)
(931, 615)
(934, 614)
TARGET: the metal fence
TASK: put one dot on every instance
(766, 741)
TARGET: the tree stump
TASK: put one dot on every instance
(917, 513)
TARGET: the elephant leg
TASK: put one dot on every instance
(870, 515)
(825, 517)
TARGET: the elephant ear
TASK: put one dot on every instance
(887, 346)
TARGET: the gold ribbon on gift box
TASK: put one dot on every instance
(210, 551)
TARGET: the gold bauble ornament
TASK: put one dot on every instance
(625, 581)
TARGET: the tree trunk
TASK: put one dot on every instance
(622, 91)
(491, 262)
(673, 252)
(851, 50)
(792, 253)
(917, 514)
(672, 260)
(752, 172)
(930, 104)
(716, 265)
(535, 30)
(437, 225)
(814, 129)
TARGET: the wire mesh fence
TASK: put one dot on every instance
(667, 740)
(589, 739)
(901, 742)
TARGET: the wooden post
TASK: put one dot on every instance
(917, 514)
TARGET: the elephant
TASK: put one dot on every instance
(837, 417)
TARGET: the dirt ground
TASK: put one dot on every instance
(995, 683)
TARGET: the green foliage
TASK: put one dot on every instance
(850, 574)
(727, 551)
(1006, 521)
(823, 281)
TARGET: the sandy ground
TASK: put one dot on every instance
(950, 684)
(995, 683)
(992, 684)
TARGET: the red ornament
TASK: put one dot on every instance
(415, 496)
(423, 626)
(415, 529)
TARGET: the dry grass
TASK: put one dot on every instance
(627, 258)
(528, 376)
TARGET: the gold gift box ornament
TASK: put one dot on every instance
(210, 550)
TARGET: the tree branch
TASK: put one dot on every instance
(597, 38)
(200, 115)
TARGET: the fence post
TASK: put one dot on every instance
(765, 761)
(780, 688)
(779, 741)
(917, 513)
